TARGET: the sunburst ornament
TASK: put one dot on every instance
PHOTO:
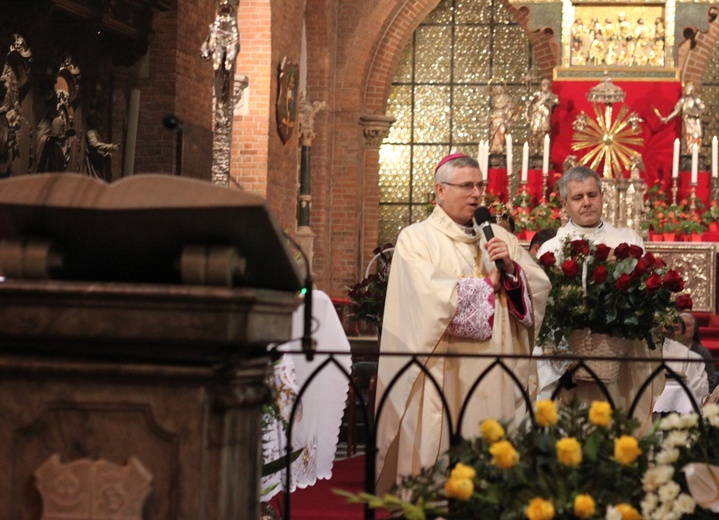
(612, 144)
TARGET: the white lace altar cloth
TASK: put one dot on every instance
(318, 419)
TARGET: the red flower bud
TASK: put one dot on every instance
(602, 252)
(547, 259)
(684, 302)
(570, 268)
(673, 281)
(621, 251)
(623, 282)
(600, 274)
(654, 282)
(579, 247)
(635, 251)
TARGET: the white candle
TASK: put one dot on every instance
(715, 156)
(695, 163)
(545, 155)
(525, 161)
(675, 159)
(509, 155)
(486, 158)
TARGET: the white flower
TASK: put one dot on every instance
(684, 504)
(688, 420)
(676, 438)
(669, 491)
(649, 503)
(711, 410)
(665, 513)
(670, 422)
(613, 513)
(667, 456)
(714, 420)
(656, 476)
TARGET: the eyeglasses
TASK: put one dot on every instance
(467, 187)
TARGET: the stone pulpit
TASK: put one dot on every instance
(134, 324)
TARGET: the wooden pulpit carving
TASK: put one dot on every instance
(92, 490)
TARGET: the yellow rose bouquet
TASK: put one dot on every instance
(580, 461)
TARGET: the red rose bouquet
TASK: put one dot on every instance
(624, 292)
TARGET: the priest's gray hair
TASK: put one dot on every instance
(445, 172)
(577, 174)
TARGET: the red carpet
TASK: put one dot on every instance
(318, 502)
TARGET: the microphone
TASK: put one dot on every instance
(483, 221)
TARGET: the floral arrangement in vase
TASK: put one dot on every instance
(711, 217)
(624, 292)
(367, 297)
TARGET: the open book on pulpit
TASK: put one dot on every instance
(147, 228)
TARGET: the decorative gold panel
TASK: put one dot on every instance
(471, 54)
(424, 160)
(394, 181)
(441, 14)
(470, 109)
(431, 114)
(697, 264)
(392, 218)
(511, 53)
(433, 54)
(473, 11)
(399, 106)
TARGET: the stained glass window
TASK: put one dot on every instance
(440, 100)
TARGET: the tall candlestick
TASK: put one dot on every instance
(545, 155)
(509, 155)
(695, 163)
(675, 159)
(715, 157)
(525, 161)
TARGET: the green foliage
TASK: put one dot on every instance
(367, 297)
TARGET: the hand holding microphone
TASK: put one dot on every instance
(496, 249)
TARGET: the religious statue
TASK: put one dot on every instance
(691, 108)
(501, 114)
(539, 114)
(221, 47)
(98, 153)
(579, 42)
(55, 134)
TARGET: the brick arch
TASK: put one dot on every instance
(371, 39)
(399, 28)
(693, 60)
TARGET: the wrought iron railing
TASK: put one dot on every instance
(498, 362)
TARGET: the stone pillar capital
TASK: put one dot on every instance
(307, 112)
(376, 128)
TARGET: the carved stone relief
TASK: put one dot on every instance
(97, 490)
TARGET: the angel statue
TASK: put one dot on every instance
(501, 114)
(539, 115)
(691, 108)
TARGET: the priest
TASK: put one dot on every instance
(580, 190)
(447, 296)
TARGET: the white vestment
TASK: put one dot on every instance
(428, 261)
(674, 397)
(631, 375)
